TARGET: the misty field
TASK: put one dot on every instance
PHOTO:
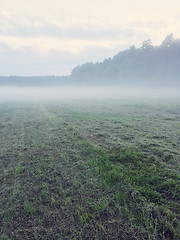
(104, 169)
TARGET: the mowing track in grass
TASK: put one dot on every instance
(58, 184)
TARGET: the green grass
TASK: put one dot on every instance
(152, 191)
(89, 170)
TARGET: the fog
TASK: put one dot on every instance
(59, 93)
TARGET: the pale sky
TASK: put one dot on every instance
(51, 37)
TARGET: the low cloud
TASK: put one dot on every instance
(53, 39)
(23, 33)
(25, 27)
(36, 61)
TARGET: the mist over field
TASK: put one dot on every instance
(57, 93)
(90, 120)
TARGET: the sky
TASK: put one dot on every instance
(51, 37)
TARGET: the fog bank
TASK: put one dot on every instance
(57, 93)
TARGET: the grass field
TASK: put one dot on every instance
(104, 169)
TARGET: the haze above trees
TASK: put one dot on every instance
(147, 66)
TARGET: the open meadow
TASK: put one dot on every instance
(90, 169)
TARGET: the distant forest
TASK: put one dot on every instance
(147, 66)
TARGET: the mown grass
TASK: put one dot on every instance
(88, 171)
(152, 197)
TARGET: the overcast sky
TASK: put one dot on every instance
(51, 37)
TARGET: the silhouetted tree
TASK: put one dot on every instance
(147, 44)
(168, 41)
